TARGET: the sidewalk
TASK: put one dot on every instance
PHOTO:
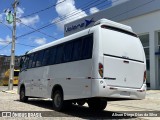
(153, 94)
(14, 91)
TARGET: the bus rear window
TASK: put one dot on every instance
(119, 30)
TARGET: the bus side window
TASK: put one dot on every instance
(59, 54)
(45, 57)
(68, 52)
(39, 58)
(87, 47)
(21, 62)
(30, 60)
(77, 50)
(34, 60)
(26, 61)
(52, 55)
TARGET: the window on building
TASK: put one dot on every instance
(145, 42)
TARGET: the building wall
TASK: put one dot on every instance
(129, 9)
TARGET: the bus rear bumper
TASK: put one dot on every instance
(120, 92)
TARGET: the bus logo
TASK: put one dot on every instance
(84, 24)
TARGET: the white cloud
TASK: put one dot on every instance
(2, 17)
(20, 12)
(40, 41)
(93, 10)
(116, 2)
(68, 11)
(6, 40)
(28, 20)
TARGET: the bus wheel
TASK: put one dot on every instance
(97, 104)
(23, 98)
(57, 100)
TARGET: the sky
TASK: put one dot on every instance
(61, 12)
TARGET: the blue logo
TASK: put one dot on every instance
(84, 24)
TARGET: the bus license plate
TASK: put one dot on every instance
(125, 93)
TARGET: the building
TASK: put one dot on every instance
(144, 17)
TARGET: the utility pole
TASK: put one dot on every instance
(12, 62)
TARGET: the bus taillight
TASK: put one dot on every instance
(145, 77)
(100, 69)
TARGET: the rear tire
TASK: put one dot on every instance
(57, 100)
(97, 104)
(23, 97)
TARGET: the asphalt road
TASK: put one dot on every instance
(10, 102)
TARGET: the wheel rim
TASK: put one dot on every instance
(57, 100)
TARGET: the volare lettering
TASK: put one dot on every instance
(86, 23)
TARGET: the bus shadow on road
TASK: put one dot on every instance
(76, 111)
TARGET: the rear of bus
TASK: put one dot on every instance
(122, 66)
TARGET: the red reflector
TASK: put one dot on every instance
(145, 77)
(140, 90)
(100, 69)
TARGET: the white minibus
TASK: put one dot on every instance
(94, 65)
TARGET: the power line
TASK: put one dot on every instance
(43, 9)
(63, 18)
(6, 25)
(38, 30)
(55, 22)
(77, 13)
(16, 43)
(5, 46)
(25, 45)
